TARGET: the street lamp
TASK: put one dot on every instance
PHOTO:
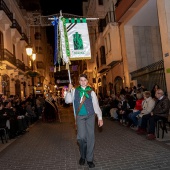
(29, 50)
(33, 58)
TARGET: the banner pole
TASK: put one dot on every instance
(69, 76)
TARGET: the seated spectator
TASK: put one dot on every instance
(134, 90)
(113, 107)
(106, 107)
(122, 108)
(147, 106)
(131, 101)
(153, 91)
(31, 116)
(137, 109)
(23, 118)
(160, 111)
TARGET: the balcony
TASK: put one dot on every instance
(20, 65)
(103, 68)
(4, 10)
(110, 17)
(111, 37)
(8, 57)
(122, 7)
(18, 28)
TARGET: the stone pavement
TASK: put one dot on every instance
(52, 146)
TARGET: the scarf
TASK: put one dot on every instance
(84, 91)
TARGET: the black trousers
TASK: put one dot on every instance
(152, 121)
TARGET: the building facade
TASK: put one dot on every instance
(130, 44)
(15, 66)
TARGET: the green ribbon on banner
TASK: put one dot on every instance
(66, 38)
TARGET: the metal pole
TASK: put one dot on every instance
(82, 17)
(33, 92)
(69, 76)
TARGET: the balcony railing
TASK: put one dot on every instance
(4, 7)
(27, 68)
(16, 25)
(110, 17)
(122, 7)
(8, 56)
(20, 65)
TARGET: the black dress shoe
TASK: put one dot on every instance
(82, 161)
(91, 164)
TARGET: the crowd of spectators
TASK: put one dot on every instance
(137, 108)
(17, 115)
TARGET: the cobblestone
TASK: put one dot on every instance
(53, 146)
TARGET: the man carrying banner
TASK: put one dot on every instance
(85, 105)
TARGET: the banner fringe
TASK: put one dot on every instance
(55, 69)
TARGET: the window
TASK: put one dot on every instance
(14, 50)
(37, 36)
(101, 25)
(100, 2)
(102, 55)
(38, 50)
(109, 44)
(97, 61)
(106, 47)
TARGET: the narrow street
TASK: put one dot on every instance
(52, 146)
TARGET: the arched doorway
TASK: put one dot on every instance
(118, 84)
(5, 85)
(18, 88)
(111, 89)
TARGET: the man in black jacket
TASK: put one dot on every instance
(160, 111)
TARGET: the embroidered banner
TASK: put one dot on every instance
(75, 33)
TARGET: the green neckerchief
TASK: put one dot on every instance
(81, 90)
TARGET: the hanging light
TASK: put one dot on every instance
(29, 50)
(34, 56)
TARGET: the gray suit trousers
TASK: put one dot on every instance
(85, 136)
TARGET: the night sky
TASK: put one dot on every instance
(67, 6)
(50, 7)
